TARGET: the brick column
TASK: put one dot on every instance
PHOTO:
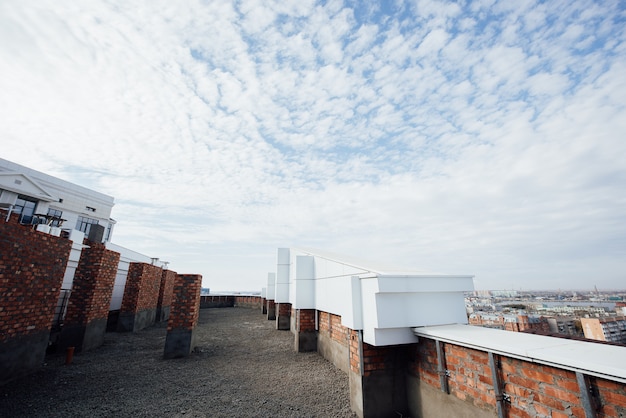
(88, 308)
(184, 313)
(141, 294)
(32, 265)
(271, 310)
(283, 316)
(306, 335)
(165, 295)
(264, 306)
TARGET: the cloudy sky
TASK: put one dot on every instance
(471, 137)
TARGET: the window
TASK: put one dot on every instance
(56, 221)
(84, 224)
(108, 234)
(25, 207)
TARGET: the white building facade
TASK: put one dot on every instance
(54, 206)
(39, 198)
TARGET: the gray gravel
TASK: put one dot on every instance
(243, 367)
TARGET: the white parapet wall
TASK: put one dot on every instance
(126, 257)
(271, 286)
(385, 304)
(283, 276)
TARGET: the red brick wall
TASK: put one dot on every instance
(355, 362)
(93, 285)
(472, 379)
(221, 301)
(424, 362)
(271, 304)
(142, 287)
(248, 301)
(555, 391)
(32, 265)
(331, 324)
(284, 309)
(305, 319)
(374, 358)
(166, 289)
(215, 301)
(612, 397)
(185, 307)
(534, 389)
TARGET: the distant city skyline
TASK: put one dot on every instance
(461, 138)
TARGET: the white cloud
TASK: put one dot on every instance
(484, 139)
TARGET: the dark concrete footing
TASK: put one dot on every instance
(306, 341)
(283, 322)
(22, 355)
(83, 337)
(381, 392)
(132, 322)
(271, 310)
(384, 392)
(179, 343)
(162, 314)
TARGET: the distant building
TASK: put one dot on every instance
(565, 325)
(41, 199)
(509, 322)
(612, 329)
(504, 293)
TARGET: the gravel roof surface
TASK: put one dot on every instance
(242, 367)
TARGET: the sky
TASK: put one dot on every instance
(473, 137)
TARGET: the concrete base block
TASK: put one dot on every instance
(112, 320)
(283, 322)
(179, 343)
(133, 322)
(271, 311)
(382, 392)
(94, 334)
(427, 401)
(336, 353)
(125, 322)
(162, 314)
(356, 393)
(306, 341)
(83, 337)
(22, 355)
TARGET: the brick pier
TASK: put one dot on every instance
(32, 265)
(88, 309)
(141, 295)
(184, 313)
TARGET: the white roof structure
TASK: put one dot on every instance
(383, 302)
